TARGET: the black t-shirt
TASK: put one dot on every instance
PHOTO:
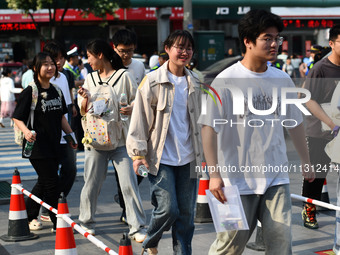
(321, 82)
(47, 120)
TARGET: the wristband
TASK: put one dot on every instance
(335, 131)
(137, 157)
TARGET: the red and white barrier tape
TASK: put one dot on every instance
(315, 202)
(74, 225)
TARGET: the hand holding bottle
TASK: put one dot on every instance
(123, 101)
(29, 144)
(30, 136)
(138, 163)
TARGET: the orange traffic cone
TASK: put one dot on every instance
(203, 214)
(125, 247)
(64, 242)
(18, 229)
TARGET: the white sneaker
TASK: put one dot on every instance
(89, 230)
(35, 225)
(139, 236)
(149, 251)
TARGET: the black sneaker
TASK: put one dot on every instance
(308, 217)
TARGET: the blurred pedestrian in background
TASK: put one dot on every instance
(7, 91)
(162, 58)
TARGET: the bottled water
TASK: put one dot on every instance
(143, 171)
(123, 103)
(29, 147)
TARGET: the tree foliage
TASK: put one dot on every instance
(100, 8)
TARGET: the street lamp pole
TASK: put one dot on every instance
(187, 16)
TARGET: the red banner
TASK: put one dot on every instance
(147, 13)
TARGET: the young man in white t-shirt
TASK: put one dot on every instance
(243, 137)
(124, 43)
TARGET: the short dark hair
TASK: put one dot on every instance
(125, 37)
(183, 36)
(6, 72)
(54, 48)
(38, 61)
(98, 46)
(254, 23)
(334, 32)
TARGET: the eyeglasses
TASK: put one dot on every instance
(270, 40)
(127, 52)
(181, 49)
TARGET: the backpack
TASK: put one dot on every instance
(103, 127)
(18, 134)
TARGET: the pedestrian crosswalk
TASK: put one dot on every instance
(10, 157)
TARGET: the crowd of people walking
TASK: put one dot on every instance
(116, 112)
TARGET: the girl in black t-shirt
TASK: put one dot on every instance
(48, 121)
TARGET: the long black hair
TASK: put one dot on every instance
(38, 61)
(98, 46)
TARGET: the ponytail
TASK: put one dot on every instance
(98, 46)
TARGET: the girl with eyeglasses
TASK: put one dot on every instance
(164, 137)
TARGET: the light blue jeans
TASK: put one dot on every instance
(173, 194)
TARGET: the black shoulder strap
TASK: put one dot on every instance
(93, 78)
(110, 78)
(118, 78)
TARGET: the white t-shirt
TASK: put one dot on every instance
(62, 83)
(137, 70)
(251, 147)
(178, 149)
(7, 89)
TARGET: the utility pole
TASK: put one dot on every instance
(187, 16)
(163, 25)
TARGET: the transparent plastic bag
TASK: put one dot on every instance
(230, 215)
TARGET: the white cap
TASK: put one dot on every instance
(73, 52)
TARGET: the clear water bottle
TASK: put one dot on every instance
(123, 103)
(143, 171)
(29, 147)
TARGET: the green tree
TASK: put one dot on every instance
(100, 8)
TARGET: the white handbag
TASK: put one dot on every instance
(332, 149)
(331, 109)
